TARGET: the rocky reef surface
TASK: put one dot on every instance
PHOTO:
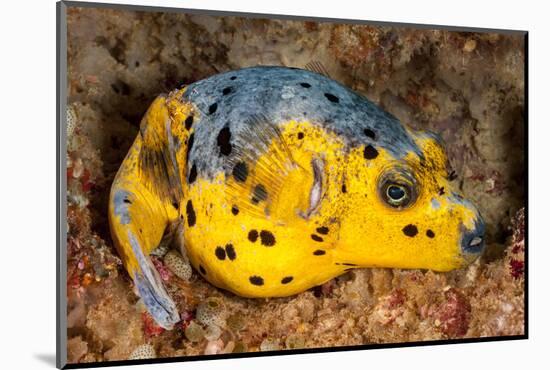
(468, 87)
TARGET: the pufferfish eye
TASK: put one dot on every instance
(397, 195)
(398, 188)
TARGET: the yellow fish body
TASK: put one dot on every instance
(283, 179)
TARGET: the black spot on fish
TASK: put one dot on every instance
(323, 230)
(286, 279)
(230, 250)
(202, 270)
(305, 84)
(128, 201)
(227, 90)
(253, 236)
(430, 233)
(190, 143)
(212, 109)
(441, 191)
(369, 133)
(192, 174)
(191, 216)
(319, 252)
(188, 122)
(260, 194)
(224, 138)
(268, 239)
(175, 205)
(349, 264)
(256, 280)
(317, 238)
(300, 135)
(410, 230)
(240, 172)
(344, 188)
(220, 253)
(233, 78)
(370, 152)
(332, 98)
(235, 210)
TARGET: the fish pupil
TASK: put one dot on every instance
(396, 192)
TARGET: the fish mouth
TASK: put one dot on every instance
(473, 241)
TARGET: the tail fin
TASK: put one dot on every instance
(145, 198)
(151, 290)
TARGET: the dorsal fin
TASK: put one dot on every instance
(263, 160)
(317, 67)
(158, 167)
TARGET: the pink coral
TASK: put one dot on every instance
(186, 318)
(454, 314)
(150, 328)
(516, 268)
(516, 263)
(396, 299)
(390, 307)
(165, 274)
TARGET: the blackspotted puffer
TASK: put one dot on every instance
(280, 180)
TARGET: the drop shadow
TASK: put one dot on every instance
(46, 358)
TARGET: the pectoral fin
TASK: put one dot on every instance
(266, 180)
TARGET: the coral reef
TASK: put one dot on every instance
(468, 87)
